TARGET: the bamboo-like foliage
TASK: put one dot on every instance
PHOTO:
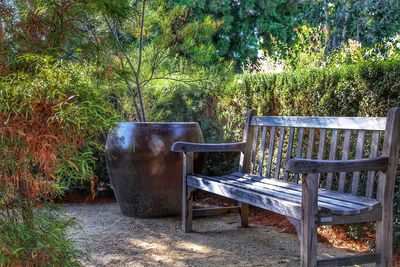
(51, 119)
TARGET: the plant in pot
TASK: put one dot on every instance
(144, 173)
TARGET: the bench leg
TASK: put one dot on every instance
(187, 210)
(308, 245)
(308, 222)
(297, 225)
(243, 214)
(187, 193)
(384, 230)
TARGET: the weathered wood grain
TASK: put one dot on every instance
(385, 190)
(332, 219)
(245, 163)
(332, 156)
(279, 152)
(289, 151)
(297, 165)
(248, 135)
(299, 148)
(321, 148)
(289, 208)
(350, 260)
(373, 203)
(214, 211)
(187, 194)
(345, 123)
(297, 225)
(371, 174)
(359, 154)
(345, 156)
(262, 151)
(254, 149)
(325, 203)
(310, 143)
(308, 225)
(270, 151)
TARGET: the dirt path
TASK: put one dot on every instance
(112, 239)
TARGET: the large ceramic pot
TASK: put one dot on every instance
(145, 175)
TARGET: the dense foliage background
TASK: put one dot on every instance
(69, 71)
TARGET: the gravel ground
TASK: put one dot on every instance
(112, 239)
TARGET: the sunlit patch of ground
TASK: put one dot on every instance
(112, 239)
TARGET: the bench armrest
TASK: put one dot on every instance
(299, 165)
(201, 147)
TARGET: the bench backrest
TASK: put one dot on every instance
(272, 141)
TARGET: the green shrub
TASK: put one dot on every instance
(52, 115)
(183, 102)
(365, 89)
(45, 244)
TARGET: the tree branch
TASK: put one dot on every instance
(138, 86)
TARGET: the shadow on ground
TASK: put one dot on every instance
(112, 239)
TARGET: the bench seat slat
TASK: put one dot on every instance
(324, 207)
(288, 194)
(288, 208)
(322, 192)
(323, 199)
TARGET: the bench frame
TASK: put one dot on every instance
(307, 222)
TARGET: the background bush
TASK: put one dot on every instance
(199, 102)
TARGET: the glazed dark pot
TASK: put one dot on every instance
(145, 175)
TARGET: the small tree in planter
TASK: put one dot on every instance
(144, 173)
(159, 43)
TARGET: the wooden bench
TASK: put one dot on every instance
(314, 170)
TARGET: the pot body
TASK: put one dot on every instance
(146, 176)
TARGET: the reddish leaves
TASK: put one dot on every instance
(32, 148)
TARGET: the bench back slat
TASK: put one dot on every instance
(254, 150)
(345, 155)
(279, 153)
(277, 139)
(343, 123)
(321, 148)
(299, 149)
(332, 156)
(289, 150)
(310, 145)
(372, 174)
(321, 144)
(245, 163)
(359, 155)
(262, 150)
(270, 152)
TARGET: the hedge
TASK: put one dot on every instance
(366, 89)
